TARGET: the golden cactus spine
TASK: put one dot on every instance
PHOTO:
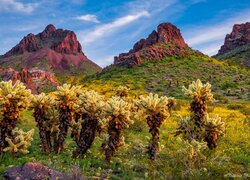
(14, 100)
(156, 111)
(118, 113)
(20, 141)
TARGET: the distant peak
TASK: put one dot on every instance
(50, 28)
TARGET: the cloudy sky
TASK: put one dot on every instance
(108, 27)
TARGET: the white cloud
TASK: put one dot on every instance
(108, 28)
(10, 5)
(210, 37)
(88, 17)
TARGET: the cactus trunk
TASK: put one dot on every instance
(64, 118)
(113, 141)
(154, 122)
(8, 124)
(87, 135)
(39, 115)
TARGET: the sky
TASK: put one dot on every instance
(106, 28)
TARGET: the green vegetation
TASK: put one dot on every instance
(237, 56)
(166, 77)
(178, 158)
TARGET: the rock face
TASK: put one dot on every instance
(34, 79)
(236, 48)
(62, 41)
(240, 36)
(166, 41)
(53, 49)
(38, 171)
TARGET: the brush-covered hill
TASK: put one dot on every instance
(39, 60)
(163, 63)
(236, 49)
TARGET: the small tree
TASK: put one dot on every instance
(118, 114)
(43, 104)
(20, 143)
(67, 98)
(14, 100)
(92, 105)
(156, 111)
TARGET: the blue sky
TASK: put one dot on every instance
(106, 28)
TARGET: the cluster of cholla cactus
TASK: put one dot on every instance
(118, 113)
(92, 105)
(199, 125)
(43, 106)
(122, 91)
(20, 142)
(67, 99)
(14, 100)
(155, 111)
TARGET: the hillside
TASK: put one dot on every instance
(236, 48)
(167, 76)
(163, 63)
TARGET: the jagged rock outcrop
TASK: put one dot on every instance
(239, 36)
(37, 171)
(62, 41)
(236, 48)
(34, 79)
(166, 41)
(53, 49)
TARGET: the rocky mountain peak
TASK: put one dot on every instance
(164, 42)
(239, 36)
(62, 41)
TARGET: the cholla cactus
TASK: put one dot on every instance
(42, 105)
(92, 105)
(171, 104)
(20, 142)
(201, 95)
(186, 127)
(118, 114)
(14, 99)
(214, 128)
(192, 153)
(67, 98)
(155, 110)
(122, 91)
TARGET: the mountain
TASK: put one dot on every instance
(166, 41)
(51, 53)
(162, 63)
(236, 48)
